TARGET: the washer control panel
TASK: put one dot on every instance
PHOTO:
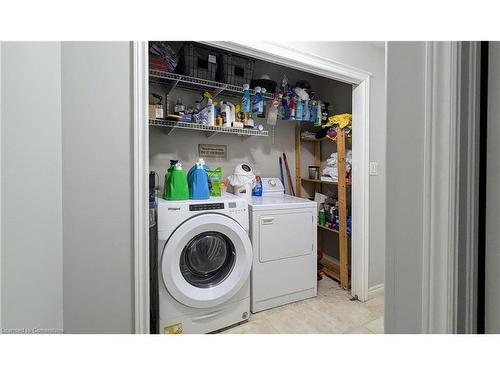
(206, 206)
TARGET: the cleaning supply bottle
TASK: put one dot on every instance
(245, 101)
(179, 107)
(232, 113)
(322, 216)
(178, 189)
(193, 168)
(258, 102)
(299, 110)
(263, 114)
(307, 111)
(198, 188)
(285, 108)
(314, 111)
(292, 108)
(170, 168)
(257, 190)
(272, 115)
(317, 121)
(211, 113)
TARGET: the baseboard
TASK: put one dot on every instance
(375, 290)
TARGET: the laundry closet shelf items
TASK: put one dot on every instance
(211, 130)
(172, 80)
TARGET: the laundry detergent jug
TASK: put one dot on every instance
(198, 185)
(177, 184)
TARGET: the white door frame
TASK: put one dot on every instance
(444, 128)
(282, 55)
(141, 188)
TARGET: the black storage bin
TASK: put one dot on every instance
(235, 70)
(198, 62)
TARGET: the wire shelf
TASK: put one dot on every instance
(212, 130)
(172, 80)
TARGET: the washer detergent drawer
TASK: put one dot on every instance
(285, 235)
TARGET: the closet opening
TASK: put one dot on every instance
(285, 147)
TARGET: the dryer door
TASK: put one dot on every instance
(206, 261)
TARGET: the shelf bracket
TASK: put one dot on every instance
(211, 134)
(169, 130)
(218, 91)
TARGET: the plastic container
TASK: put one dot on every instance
(299, 110)
(177, 184)
(257, 190)
(235, 70)
(198, 62)
(258, 102)
(198, 188)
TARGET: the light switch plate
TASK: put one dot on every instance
(373, 168)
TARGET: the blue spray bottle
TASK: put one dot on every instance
(285, 109)
(258, 102)
(299, 111)
(307, 111)
(314, 111)
(245, 101)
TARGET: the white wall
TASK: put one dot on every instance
(405, 165)
(66, 187)
(492, 279)
(31, 223)
(97, 187)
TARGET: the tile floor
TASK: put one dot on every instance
(331, 312)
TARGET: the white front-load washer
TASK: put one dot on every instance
(205, 257)
(283, 232)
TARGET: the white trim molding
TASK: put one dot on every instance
(360, 79)
(441, 137)
(141, 168)
(375, 290)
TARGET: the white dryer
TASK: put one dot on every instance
(283, 233)
(205, 257)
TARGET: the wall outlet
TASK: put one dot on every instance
(373, 168)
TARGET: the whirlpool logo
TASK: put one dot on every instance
(174, 208)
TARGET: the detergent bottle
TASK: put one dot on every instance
(199, 185)
(193, 168)
(165, 187)
(177, 184)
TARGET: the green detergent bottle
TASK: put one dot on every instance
(165, 185)
(177, 184)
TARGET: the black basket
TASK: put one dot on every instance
(198, 62)
(235, 70)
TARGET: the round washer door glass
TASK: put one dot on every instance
(207, 259)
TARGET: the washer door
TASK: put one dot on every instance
(206, 260)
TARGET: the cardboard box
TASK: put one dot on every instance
(152, 112)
